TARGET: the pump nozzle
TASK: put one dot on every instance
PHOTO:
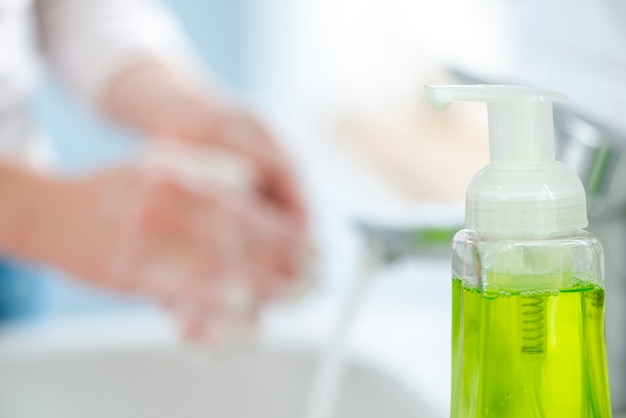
(524, 190)
(521, 126)
(442, 96)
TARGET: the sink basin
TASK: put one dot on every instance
(169, 382)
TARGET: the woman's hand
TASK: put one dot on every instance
(162, 103)
(195, 240)
(169, 106)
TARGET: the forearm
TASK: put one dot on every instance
(28, 203)
(158, 101)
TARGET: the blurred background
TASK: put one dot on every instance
(341, 84)
(353, 68)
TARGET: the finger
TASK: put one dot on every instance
(169, 265)
(223, 231)
(198, 312)
(171, 209)
(277, 182)
(226, 218)
(236, 131)
(193, 324)
(214, 327)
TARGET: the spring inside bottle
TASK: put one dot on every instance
(533, 324)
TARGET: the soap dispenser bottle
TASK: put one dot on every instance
(528, 289)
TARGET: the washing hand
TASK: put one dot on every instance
(186, 226)
(210, 221)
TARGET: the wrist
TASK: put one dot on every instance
(33, 205)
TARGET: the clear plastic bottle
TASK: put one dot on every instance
(528, 289)
(528, 328)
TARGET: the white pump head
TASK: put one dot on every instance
(524, 191)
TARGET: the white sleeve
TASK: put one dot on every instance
(89, 41)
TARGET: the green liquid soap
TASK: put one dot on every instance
(538, 354)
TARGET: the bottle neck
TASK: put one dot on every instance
(541, 200)
(521, 132)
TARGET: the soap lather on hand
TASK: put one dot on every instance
(193, 226)
(248, 248)
(220, 228)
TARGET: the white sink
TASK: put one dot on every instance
(174, 382)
